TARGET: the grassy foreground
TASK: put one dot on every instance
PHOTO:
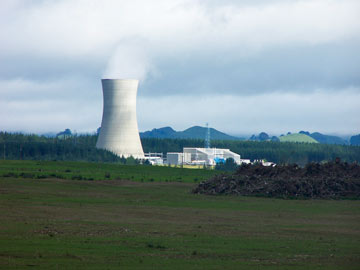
(117, 224)
(98, 171)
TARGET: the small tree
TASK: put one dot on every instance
(147, 162)
(229, 165)
(130, 161)
(263, 136)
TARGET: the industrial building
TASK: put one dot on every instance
(155, 158)
(119, 129)
(203, 156)
(178, 158)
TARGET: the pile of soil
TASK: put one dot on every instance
(333, 180)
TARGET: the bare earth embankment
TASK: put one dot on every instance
(333, 180)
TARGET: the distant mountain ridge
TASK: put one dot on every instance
(165, 132)
(195, 132)
(325, 139)
(355, 140)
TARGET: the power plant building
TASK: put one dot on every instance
(119, 131)
(174, 158)
(203, 156)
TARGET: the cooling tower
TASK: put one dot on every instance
(119, 130)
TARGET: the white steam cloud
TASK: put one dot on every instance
(129, 61)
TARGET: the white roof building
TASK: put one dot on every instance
(207, 156)
(211, 156)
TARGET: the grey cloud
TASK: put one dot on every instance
(54, 53)
(243, 2)
(275, 113)
(286, 69)
(47, 67)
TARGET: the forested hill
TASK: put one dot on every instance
(20, 146)
(195, 132)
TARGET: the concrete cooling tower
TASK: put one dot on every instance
(119, 130)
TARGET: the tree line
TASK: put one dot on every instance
(17, 146)
(82, 148)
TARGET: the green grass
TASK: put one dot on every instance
(119, 224)
(98, 171)
(297, 137)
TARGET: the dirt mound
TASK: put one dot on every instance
(333, 180)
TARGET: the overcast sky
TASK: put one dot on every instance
(242, 66)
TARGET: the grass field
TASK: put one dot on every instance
(297, 137)
(119, 224)
(99, 171)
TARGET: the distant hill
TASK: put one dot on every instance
(64, 134)
(48, 134)
(195, 132)
(165, 132)
(297, 137)
(355, 140)
(327, 139)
